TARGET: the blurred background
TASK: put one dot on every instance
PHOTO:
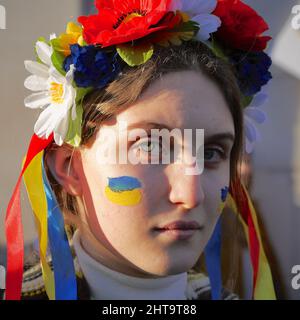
(274, 167)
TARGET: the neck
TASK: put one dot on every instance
(107, 284)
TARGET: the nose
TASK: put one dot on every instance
(186, 190)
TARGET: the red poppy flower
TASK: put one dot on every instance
(241, 27)
(120, 21)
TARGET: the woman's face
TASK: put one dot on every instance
(126, 203)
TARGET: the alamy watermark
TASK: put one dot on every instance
(2, 277)
(161, 146)
(296, 19)
(296, 278)
(2, 18)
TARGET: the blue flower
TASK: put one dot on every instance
(94, 67)
(252, 70)
(253, 115)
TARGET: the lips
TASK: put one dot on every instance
(180, 225)
(178, 230)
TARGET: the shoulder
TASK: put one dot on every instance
(198, 288)
(33, 287)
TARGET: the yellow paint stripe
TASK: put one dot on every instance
(124, 198)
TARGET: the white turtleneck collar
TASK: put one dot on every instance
(107, 284)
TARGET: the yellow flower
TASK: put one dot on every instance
(73, 35)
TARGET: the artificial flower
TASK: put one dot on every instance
(65, 40)
(93, 67)
(241, 27)
(253, 115)
(120, 21)
(252, 70)
(181, 28)
(53, 92)
(200, 12)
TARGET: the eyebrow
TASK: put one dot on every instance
(208, 139)
(219, 136)
(152, 125)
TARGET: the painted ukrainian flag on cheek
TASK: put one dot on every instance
(224, 193)
(124, 190)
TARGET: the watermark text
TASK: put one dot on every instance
(296, 278)
(2, 18)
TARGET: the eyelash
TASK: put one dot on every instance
(209, 164)
(222, 154)
(147, 140)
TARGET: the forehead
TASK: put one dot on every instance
(185, 100)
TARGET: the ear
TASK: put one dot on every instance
(64, 163)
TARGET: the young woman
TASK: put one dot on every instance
(140, 226)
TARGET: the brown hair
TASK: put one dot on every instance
(102, 104)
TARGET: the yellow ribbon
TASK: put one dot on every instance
(264, 289)
(37, 198)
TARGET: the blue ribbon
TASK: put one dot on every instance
(64, 271)
(213, 262)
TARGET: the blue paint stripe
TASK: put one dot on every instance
(124, 183)
(224, 193)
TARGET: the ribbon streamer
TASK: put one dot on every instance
(213, 262)
(241, 204)
(34, 185)
(14, 229)
(64, 271)
(213, 253)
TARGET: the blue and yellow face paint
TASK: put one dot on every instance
(224, 193)
(125, 190)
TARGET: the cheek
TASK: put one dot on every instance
(124, 190)
(216, 189)
(139, 187)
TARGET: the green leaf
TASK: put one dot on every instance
(216, 48)
(58, 62)
(84, 43)
(187, 27)
(246, 100)
(56, 44)
(42, 39)
(74, 131)
(75, 126)
(135, 55)
(81, 93)
(57, 58)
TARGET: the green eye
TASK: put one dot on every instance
(213, 155)
(147, 146)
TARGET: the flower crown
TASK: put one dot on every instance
(88, 56)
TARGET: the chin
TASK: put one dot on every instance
(173, 266)
(181, 267)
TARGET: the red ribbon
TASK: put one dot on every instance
(241, 200)
(14, 229)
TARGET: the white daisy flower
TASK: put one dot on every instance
(200, 12)
(53, 92)
(253, 115)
